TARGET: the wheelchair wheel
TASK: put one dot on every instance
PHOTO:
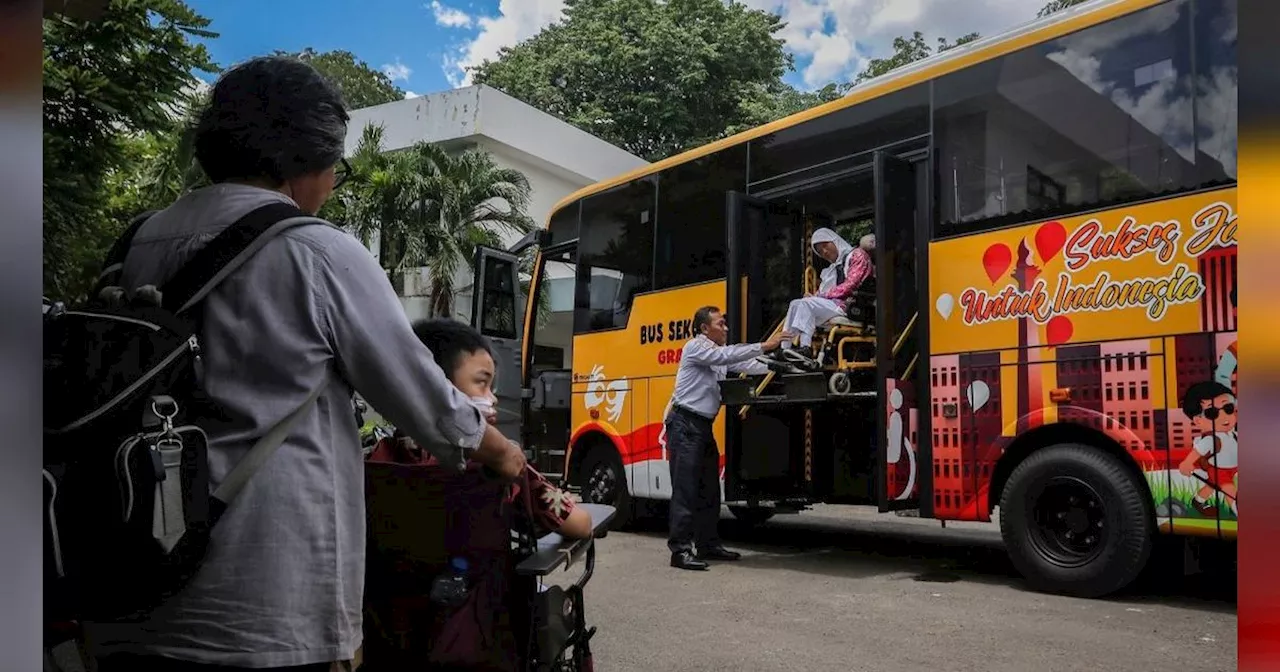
(840, 383)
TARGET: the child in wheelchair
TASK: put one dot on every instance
(456, 561)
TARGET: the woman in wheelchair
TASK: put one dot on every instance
(431, 531)
(848, 268)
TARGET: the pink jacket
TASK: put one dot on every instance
(858, 268)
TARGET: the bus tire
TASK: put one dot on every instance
(751, 515)
(1076, 521)
(604, 481)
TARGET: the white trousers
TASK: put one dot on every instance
(805, 314)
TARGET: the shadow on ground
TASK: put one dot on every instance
(845, 548)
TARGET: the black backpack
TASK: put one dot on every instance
(128, 510)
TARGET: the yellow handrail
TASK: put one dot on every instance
(768, 377)
(905, 332)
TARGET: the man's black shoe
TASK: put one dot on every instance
(719, 553)
(685, 560)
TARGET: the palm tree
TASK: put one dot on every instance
(430, 208)
(476, 201)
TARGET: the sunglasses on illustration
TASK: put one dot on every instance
(1212, 412)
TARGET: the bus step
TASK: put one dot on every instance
(800, 388)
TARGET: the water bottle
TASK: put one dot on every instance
(450, 588)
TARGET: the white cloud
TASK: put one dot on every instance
(450, 17)
(832, 40)
(410, 94)
(397, 70)
(517, 20)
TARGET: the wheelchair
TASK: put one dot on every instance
(844, 363)
(846, 345)
(420, 517)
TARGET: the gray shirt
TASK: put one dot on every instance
(283, 581)
(703, 364)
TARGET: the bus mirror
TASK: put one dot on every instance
(539, 237)
(495, 290)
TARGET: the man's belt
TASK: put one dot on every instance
(690, 413)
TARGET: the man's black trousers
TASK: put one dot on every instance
(695, 482)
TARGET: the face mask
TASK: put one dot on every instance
(485, 405)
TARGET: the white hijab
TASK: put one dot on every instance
(843, 250)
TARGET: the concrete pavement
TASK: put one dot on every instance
(843, 589)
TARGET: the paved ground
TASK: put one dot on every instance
(844, 589)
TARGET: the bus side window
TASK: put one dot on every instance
(615, 255)
(1093, 119)
(1217, 88)
(691, 217)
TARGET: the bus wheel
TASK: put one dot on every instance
(751, 515)
(605, 482)
(1076, 521)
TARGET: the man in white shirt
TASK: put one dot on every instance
(691, 445)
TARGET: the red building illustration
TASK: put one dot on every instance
(1126, 399)
(1080, 368)
(1195, 360)
(948, 485)
(1218, 268)
(986, 421)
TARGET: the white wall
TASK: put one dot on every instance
(556, 158)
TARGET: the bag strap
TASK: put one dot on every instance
(114, 262)
(228, 251)
(264, 448)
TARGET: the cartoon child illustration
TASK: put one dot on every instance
(1225, 373)
(1214, 461)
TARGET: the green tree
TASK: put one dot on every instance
(105, 81)
(907, 50)
(777, 100)
(1057, 6)
(361, 85)
(163, 164)
(651, 77)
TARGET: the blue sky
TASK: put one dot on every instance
(426, 44)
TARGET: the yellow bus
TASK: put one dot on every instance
(1052, 329)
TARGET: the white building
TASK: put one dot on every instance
(556, 157)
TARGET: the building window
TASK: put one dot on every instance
(1093, 119)
(690, 245)
(615, 255)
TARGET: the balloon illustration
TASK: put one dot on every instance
(996, 260)
(979, 394)
(1058, 331)
(945, 304)
(1049, 240)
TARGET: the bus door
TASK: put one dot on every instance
(900, 207)
(497, 312)
(764, 451)
(548, 392)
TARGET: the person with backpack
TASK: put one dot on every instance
(289, 316)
